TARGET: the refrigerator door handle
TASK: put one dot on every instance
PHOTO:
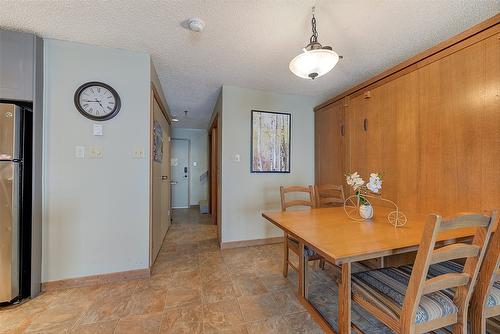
(17, 153)
(11, 132)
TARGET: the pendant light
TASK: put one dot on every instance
(315, 60)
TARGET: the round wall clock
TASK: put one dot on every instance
(97, 101)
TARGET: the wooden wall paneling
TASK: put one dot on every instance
(381, 138)
(490, 126)
(355, 116)
(406, 167)
(329, 152)
(346, 140)
(390, 146)
(452, 122)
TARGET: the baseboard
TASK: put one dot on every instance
(96, 279)
(254, 242)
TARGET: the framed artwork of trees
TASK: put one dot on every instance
(270, 142)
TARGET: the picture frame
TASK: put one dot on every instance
(270, 142)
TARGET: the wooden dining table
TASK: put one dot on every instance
(342, 241)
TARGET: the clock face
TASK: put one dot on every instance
(97, 101)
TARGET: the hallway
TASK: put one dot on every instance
(194, 288)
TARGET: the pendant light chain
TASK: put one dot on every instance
(314, 37)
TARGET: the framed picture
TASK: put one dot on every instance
(157, 142)
(270, 142)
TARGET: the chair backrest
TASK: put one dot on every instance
(329, 195)
(488, 275)
(309, 201)
(463, 282)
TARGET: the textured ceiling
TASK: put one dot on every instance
(249, 43)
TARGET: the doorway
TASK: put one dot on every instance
(160, 176)
(180, 173)
(214, 173)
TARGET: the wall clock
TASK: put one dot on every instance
(97, 101)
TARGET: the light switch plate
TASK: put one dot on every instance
(80, 152)
(97, 129)
(195, 163)
(138, 153)
(96, 153)
(237, 158)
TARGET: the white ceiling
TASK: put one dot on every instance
(249, 43)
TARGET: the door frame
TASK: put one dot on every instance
(154, 96)
(213, 172)
(189, 174)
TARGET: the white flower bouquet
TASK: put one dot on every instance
(361, 188)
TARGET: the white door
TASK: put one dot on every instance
(180, 173)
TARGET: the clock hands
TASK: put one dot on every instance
(96, 101)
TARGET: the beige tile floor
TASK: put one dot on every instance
(194, 288)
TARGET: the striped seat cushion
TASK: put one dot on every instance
(386, 289)
(308, 252)
(450, 267)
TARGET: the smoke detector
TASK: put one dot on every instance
(196, 25)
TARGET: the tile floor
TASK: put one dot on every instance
(194, 288)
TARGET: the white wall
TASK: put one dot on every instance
(198, 190)
(96, 211)
(245, 195)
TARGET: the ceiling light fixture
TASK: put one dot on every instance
(174, 118)
(316, 60)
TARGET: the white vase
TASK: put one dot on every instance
(366, 211)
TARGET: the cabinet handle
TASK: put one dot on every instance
(365, 124)
(342, 131)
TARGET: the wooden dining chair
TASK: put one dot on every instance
(485, 301)
(328, 195)
(291, 243)
(408, 300)
(486, 297)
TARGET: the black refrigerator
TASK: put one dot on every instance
(15, 197)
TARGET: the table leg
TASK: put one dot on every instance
(344, 315)
(302, 268)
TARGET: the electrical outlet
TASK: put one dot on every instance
(95, 153)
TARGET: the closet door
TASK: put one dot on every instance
(459, 130)
(383, 123)
(355, 116)
(329, 144)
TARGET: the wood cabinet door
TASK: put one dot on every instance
(357, 148)
(329, 144)
(459, 130)
(390, 126)
(16, 65)
(382, 127)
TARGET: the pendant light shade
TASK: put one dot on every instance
(313, 64)
(315, 60)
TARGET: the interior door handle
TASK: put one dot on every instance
(164, 177)
(173, 182)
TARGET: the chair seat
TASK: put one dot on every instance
(451, 267)
(385, 288)
(308, 252)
